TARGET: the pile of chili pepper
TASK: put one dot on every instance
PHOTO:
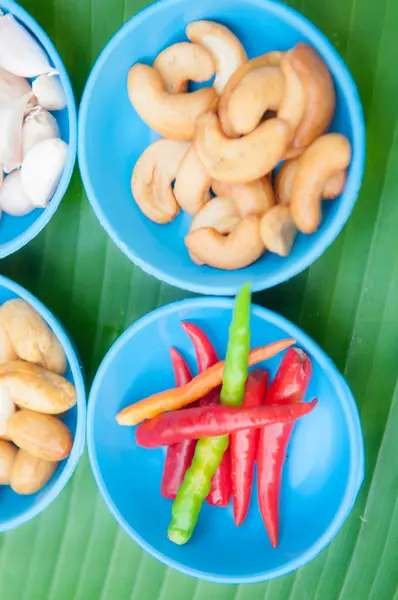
(214, 444)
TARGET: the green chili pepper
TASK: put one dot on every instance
(210, 451)
(236, 360)
(196, 485)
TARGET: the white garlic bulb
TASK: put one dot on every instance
(7, 409)
(12, 87)
(42, 169)
(39, 125)
(13, 199)
(20, 53)
(49, 91)
(11, 121)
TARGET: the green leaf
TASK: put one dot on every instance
(346, 301)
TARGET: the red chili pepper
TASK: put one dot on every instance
(205, 353)
(220, 491)
(213, 421)
(288, 387)
(243, 447)
(179, 456)
(200, 385)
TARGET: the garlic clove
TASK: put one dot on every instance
(12, 87)
(49, 91)
(39, 125)
(11, 120)
(20, 53)
(7, 409)
(42, 169)
(13, 199)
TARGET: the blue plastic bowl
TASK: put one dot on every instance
(322, 475)
(15, 509)
(112, 137)
(15, 232)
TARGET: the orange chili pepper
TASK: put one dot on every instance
(198, 387)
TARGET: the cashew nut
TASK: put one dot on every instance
(328, 155)
(320, 95)
(235, 251)
(29, 473)
(221, 214)
(7, 351)
(284, 180)
(257, 92)
(285, 177)
(293, 102)
(253, 198)
(227, 51)
(31, 337)
(35, 388)
(244, 159)
(271, 59)
(182, 62)
(152, 177)
(310, 98)
(278, 230)
(7, 409)
(172, 115)
(334, 186)
(8, 454)
(41, 435)
(192, 185)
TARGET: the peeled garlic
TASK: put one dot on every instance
(39, 125)
(7, 409)
(11, 119)
(20, 53)
(12, 87)
(13, 199)
(42, 169)
(49, 91)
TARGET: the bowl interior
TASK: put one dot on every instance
(112, 137)
(321, 478)
(17, 231)
(16, 509)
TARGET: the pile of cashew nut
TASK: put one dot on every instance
(222, 147)
(33, 395)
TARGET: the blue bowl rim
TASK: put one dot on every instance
(26, 236)
(78, 380)
(351, 192)
(357, 465)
